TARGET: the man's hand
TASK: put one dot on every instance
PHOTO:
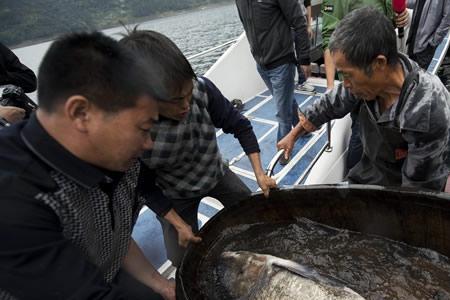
(11, 113)
(402, 19)
(266, 183)
(287, 143)
(185, 235)
(306, 70)
(168, 290)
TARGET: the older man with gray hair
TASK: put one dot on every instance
(403, 110)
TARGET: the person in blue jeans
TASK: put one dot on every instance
(269, 27)
(280, 82)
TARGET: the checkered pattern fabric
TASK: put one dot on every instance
(185, 154)
(87, 220)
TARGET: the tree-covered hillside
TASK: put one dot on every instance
(29, 20)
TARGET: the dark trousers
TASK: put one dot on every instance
(423, 58)
(229, 190)
(133, 288)
(301, 75)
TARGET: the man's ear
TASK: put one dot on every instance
(77, 109)
(379, 63)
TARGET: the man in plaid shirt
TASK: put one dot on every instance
(185, 155)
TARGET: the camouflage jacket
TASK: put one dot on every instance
(406, 145)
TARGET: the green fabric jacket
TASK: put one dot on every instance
(334, 10)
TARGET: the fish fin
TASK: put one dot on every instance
(306, 272)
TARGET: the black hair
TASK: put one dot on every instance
(94, 66)
(163, 57)
(364, 34)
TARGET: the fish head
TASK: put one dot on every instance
(241, 271)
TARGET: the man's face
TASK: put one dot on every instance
(178, 106)
(118, 139)
(356, 80)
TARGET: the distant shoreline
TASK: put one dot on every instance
(133, 22)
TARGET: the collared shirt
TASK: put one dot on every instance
(65, 226)
(407, 145)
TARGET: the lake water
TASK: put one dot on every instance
(193, 32)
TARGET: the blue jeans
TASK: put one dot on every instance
(280, 82)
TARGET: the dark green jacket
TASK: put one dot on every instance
(335, 10)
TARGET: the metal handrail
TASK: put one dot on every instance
(212, 49)
(273, 162)
(329, 148)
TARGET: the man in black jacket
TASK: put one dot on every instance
(268, 25)
(71, 182)
(12, 71)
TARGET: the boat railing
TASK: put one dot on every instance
(207, 51)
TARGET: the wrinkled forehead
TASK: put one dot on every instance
(342, 64)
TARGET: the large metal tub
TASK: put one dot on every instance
(417, 218)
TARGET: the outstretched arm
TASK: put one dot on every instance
(185, 234)
(265, 182)
(162, 206)
(140, 268)
(288, 141)
(333, 104)
(225, 116)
